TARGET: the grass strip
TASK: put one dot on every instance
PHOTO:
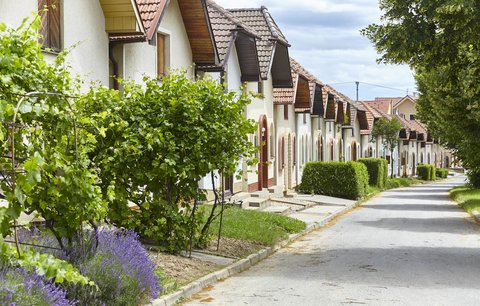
(468, 198)
(261, 227)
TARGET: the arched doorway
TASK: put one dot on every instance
(263, 162)
(320, 148)
(354, 150)
(414, 165)
(331, 150)
(290, 161)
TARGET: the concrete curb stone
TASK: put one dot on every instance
(241, 265)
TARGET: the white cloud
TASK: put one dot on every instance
(325, 39)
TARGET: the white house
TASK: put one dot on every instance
(274, 73)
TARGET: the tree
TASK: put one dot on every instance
(154, 145)
(43, 152)
(388, 130)
(440, 40)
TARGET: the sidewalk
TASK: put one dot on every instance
(323, 210)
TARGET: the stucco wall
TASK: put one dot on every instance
(180, 52)
(89, 58)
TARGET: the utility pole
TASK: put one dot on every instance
(357, 83)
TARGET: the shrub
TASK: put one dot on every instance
(442, 172)
(345, 180)
(426, 172)
(377, 171)
(392, 184)
(433, 173)
(474, 177)
(19, 287)
(116, 261)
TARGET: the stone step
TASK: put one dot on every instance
(277, 209)
(258, 202)
(241, 196)
(292, 201)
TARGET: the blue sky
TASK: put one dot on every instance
(325, 39)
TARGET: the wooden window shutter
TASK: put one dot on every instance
(54, 20)
(50, 14)
(42, 4)
(160, 55)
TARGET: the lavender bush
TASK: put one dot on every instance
(115, 260)
(18, 287)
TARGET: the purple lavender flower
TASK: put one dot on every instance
(19, 287)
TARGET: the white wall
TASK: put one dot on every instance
(180, 51)
(83, 25)
(261, 106)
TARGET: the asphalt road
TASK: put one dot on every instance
(411, 246)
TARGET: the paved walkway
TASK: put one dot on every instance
(410, 246)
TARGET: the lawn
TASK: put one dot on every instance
(261, 227)
(402, 182)
(467, 197)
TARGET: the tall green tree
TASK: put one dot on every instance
(440, 40)
(154, 145)
(388, 131)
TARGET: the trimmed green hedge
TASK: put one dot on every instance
(336, 179)
(377, 171)
(442, 173)
(427, 172)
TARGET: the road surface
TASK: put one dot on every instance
(410, 246)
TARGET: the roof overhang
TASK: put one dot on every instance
(363, 119)
(247, 54)
(199, 31)
(340, 113)
(303, 95)
(331, 107)
(318, 109)
(413, 135)
(280, 68)
(121, 16)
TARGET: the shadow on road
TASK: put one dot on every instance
(424, 225)
(419, 267)
(413, 207)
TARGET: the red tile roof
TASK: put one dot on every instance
(287, 95)
(150, 13)
(262, 22)
(223, 24)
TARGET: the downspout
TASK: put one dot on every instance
(115, 66)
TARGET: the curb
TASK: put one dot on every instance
(241, 265)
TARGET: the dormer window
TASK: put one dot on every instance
(412, 117)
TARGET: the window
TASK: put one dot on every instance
(272, 141)
(413, 144)
(304, 118)
(412, 117)
(51, 30)
(281, 162)
(161, 43)
(285, 112)
(329, 126)
(260, 87)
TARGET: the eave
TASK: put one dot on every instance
(121, 16)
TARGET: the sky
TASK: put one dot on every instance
(325, 38)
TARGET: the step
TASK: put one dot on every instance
(284, 210)
(241, 196)
(293, 201)
(258, 202)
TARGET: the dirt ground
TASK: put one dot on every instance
(180, 270)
